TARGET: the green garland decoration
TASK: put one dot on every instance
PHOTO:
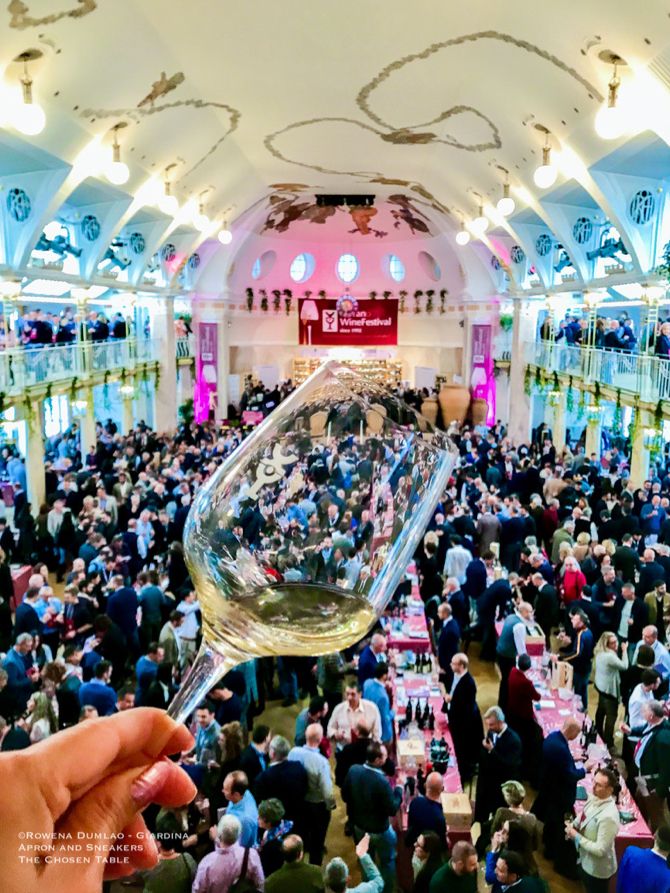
(658, 415)
(527, 382)
(2, 402)
(539, 384)
(570, 396)
(581, 406)
(157, 376)
(596, 394)
(617, 420)
(74, 387)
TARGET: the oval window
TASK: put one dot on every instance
(347, 268)
(429, 266)
(302, 267)
(263, 264)
(395, 268)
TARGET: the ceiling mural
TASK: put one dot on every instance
(20, 16)
(290, 208)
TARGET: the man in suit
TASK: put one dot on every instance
(557, 793)
(475, 576)
(98, 692)
(169, 639)
(253, 759)
(122, 607)
(458, 601)
(449, 641)
(370, 803)
(425, 811)
(465, 722)
(652, 754)
(371, 655)
(295, 875)
(27, 619)
(546, 607)
(18, 664)
(7, 542)
(650, 572)
(629, 616)
(500, 761)
(285, 780)
(626, 560)
(490, 603)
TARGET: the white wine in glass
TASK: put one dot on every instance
(269, 534)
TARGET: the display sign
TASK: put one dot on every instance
(347, 322)
(206, 371)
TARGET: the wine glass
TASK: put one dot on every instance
(267, 535)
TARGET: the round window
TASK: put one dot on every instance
(429, 265)
(263, 264)
(347, 268)
(395, 267)
(302, 267)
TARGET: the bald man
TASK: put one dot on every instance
(425, 812)
(319, 799)
(557, 793)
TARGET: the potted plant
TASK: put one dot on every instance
(265, 304)
(276, 299)
(430, 294)
(250, 299)
(418, 294)
(402, 298)
(288, 295)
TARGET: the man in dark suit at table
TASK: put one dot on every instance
(449, 641)
(546, 607)
(499, 761)
(652, 758)
(557, 794)
(27, 619)
(465, 721)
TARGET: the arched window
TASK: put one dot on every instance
(347, 268)
(302, 267)
(396, 268)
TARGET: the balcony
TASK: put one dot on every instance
(24, 368)
(185, 348)
(635, 374)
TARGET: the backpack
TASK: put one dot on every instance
(243, 884)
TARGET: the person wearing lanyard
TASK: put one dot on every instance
(595, 831)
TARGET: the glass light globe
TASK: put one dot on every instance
(545, 175)
(117, 172)
(225, 236)
(462, 237)
(610, 121)
(506, 206)
(29, 118)
(201, 222)
(169, 205)
(479, 225)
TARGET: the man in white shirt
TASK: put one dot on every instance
(346, 716)
(457, 560)
(188, 631)
(662, 658)
(642, 694)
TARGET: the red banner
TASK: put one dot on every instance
(364, 323)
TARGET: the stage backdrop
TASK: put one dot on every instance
(370, 323)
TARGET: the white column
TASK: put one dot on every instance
(593, 432)
(162, 331)
(223, 364)
(87, 422)
(558, 424)
(639, 460)
(127, 421)
(34, 422)
(523, 331)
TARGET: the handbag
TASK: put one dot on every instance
(243, 884)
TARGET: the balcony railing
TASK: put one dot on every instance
(648, 376)
(24, 367)
(185, 347)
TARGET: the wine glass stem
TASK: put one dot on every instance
(208, 667)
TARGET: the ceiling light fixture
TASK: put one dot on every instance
(28, 117)
(480, 224)
(611, 121)
(200, 220)
(225, 235)
(545, 175)
(462, 236)
(117, 171)
(167, 203)
(506, 204)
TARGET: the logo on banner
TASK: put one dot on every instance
(329, 320)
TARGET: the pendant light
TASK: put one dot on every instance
(480, 224)
(200, 220)
(462, 236)
(28, 117)
(225, 235)
(545, 175)
(167, 203)
(610, 122)
(117, 171)
(506, 204)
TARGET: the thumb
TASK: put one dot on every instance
(109, 807)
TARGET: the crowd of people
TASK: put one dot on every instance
(610, 333)
(561, 546)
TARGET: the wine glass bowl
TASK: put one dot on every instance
(269, 534)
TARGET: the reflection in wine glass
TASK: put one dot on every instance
(268, 542)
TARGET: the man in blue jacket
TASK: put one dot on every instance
(371, 655)
(556, 797)
(122, 608)
(644, 870)
(449, 642)
(98, 692)
(375, 690)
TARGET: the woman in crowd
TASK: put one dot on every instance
(609, 667)
(428, 856)
(41, 721)
(514, 794)
(512, 836)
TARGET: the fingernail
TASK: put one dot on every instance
(146, 787)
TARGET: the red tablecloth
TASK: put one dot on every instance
(414, 635)
(20, 577)
(535, 649)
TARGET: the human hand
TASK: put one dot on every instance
(487, 745)
(92, 779)
(625, 728)
(570, 832)
(363, 846)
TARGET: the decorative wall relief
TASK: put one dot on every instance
(20, 17)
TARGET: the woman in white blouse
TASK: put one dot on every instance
(608, 684)
(41, 721)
